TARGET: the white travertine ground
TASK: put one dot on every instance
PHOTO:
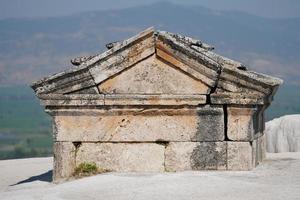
(277, 178)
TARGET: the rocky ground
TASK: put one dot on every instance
(277, 178)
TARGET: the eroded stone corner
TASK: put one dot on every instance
(64, 161)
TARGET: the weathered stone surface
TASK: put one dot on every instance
(180, 65)
(239, 156)
(72, 100)
(121, 99)
(83, 102)
(152, 76)
(259, 149)
(123, 59)
(79, 60)
(208, 70)
(236, 98)
(158, 100)
(233, 83)
(90, 90)
(240, 125)
(201, 124)
(123, 157)
(71, 96)
(234, 79)
(64, 160)
(180, 156)
(210, 125)
(73, 81)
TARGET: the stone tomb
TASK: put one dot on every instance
(157, 102)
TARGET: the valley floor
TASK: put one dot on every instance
(277, 178)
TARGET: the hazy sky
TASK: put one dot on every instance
(37, 8)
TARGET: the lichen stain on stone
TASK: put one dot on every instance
(204, 157)
(210, 125)
(208, 156)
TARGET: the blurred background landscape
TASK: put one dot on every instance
(36, 43)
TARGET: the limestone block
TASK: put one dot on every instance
(240, 123)
(210, 124)
(140, 125)
(180, 156)
(64, 160)
(240, 156)
(123, 157)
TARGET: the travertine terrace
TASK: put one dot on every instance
(157, 102)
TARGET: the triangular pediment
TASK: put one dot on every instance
(159, 63)
(153, 75)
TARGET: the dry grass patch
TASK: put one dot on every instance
(88, 169)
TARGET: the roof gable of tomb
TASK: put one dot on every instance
(158, 63)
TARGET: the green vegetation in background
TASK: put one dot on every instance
(25, 129)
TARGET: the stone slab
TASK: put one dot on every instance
(240, 156)
(236, 99)
(181, 156)
(240, 125)
(123, 157)
(121, 100)
(153, 76)
(140, 125)
(159, 100)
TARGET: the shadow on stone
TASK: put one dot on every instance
(46, 177)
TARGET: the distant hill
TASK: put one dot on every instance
(32, 48)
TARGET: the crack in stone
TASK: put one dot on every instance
(76, 145)
(225, 123)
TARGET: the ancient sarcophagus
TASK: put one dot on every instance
(157, 102)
